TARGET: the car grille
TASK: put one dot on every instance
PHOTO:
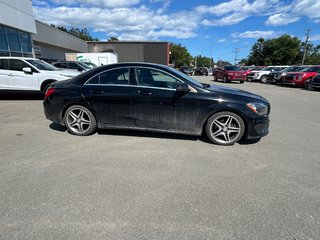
(251, 74)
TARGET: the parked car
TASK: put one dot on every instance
(201, 71)
(229, 74)
(277, 76)
(145, 96)
(314, 83)
(90, 64)
(186, 70)
(29, 74)
(79, 66)
(261, 75)
(302, 78)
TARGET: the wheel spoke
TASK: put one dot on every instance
(73, 115)
(218, 124)
(229, 121)
(85, 121)
(217, 133)
(226, 137)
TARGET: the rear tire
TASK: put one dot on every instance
(225, 128)
(263, 79)
(241, 81)
(215, 78)
(80, 121)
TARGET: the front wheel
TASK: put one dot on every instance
(307, 84)
(215, 78)
(225, 79)
(225, 128)
(241, 81)
(264, 79)
(80, 121)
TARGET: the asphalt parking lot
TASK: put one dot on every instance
(134, 185)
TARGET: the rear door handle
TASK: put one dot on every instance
(95, 91)
(144, 93)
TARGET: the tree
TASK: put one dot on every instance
(113, 39)
(284, 50)
(77, 32)
(221, 63)
(202, 61)
(179, 55)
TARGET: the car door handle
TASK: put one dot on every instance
(10, 75)
(144, 93)
(95, 91)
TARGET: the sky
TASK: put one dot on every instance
(213, 28)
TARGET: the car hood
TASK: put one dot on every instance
(237, 71)
(235, 91)
(63, 72)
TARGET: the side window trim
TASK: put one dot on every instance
(108, 70)
(156, 69)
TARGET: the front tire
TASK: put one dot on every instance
(263, 79)
(80, 121)
(307, 84)
(225, 128)
(225, 79)
(215, 78)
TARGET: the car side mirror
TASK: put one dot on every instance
(183, 87)
(27, 70)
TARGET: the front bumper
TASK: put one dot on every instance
(257, 128)
(253, 78)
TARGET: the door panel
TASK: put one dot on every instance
(4, 74)
(20, 80)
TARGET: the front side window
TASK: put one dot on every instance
(74, 66)
(41, 65)
(156, 78)
(17, 65)
(119, 76)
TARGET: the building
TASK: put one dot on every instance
(16, 26)
(154, 52)
(22, 35)
(51, 44)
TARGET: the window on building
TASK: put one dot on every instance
(25, 39)
(13, 38)
(3, 39)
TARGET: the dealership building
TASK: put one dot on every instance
(23, 36)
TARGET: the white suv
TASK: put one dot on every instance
(261, 75)
(29, 74)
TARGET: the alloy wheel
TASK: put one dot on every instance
(225, 129)
(78, 120)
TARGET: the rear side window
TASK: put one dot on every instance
(4, 64)
(17, 65)
(60, 65)
(74, 66)
(118, 76)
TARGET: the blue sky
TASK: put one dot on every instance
(210, 28)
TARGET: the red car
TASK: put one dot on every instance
(229, 74)
(302, 78)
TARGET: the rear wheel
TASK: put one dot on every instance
(225, 128)
(80, 121)
(241, 81)
(214, 78)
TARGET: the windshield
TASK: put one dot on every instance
(85, 65)
(245, 68)
(267, 69)
(90, 64)
(42, 65)
(190, 79)
(231, 68)
(292, 69)
(310, 69)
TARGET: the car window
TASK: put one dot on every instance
(17, 65)
(115, 76)
(156, 78)
(60, 65)
(4, 64)
(74, 66)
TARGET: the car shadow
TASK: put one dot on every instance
(249, 141)
(20, 96)
(58, 127)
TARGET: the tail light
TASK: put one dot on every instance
(49, 92)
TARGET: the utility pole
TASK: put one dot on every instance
(306, 46)
(236, 55)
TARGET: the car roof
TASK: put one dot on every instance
(21, 58)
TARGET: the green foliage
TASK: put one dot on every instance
(77, 32)
(113, 39)
(202, 61)
(284, 50)
(179, 55)
(221, 63)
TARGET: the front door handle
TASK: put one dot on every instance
(95, 91)
(144, 93)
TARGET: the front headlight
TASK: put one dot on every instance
(258, 108)
(256, 74)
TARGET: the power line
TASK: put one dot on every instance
(306, 46)
(236, 55)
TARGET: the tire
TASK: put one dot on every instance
(263, 79)
(307, 84)
(80, 121)
(225, 128)
(241, 81)
(225, 79)
(215, 78)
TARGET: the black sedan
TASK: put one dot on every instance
(152, 97)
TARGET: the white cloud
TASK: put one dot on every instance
(127, 23)
(315, 37)
(254, 34)
(222, 40)
(97, 3)
(229, 20)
